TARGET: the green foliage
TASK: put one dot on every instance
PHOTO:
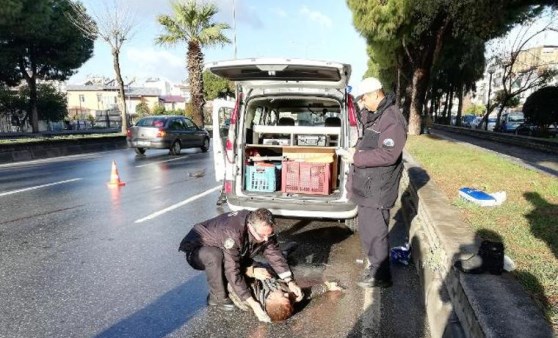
(189, 112)
(51, 104)
(216, 87)
(158, 109)
(476, 109)
(142, 109)
(541, 107)
(177, 111)
(504, 100)
(39, 42)
(192, 24)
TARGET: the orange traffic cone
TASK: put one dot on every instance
(114, 178)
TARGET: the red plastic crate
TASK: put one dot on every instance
(306, 177)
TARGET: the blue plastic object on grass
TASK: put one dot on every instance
(482, 198)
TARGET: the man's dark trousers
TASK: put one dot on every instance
(210, 259)
(373, 230)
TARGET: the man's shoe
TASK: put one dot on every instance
(223, 304)
(370, 282)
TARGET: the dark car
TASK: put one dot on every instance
(530, 129)
(167, 132)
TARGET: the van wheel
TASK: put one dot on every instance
(205, 145)
(352, 223)
(175, 148)
(140, 151)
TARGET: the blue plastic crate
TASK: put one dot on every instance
(263, 179)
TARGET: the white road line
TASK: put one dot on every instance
(178, 205)
(38, 187)
(172, 159)
(371, 307)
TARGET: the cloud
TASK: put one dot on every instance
(279, 12)
(148, 62)
(316, 16)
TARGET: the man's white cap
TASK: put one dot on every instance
(368, 85)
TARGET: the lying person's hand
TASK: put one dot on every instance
(294, 288)
(261, 273)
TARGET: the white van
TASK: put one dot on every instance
(279, 153)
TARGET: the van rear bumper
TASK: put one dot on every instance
(339, 210)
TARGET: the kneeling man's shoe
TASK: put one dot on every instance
(223, 304)
(370, 282)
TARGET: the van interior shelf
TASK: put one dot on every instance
(296, 135)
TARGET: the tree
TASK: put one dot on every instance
(192, 25)
(216, 87)
(419, 29)
(520, 70)
(541, 107)
(142, 109)
(51, 103)
(39, 42)
(158, 109)
(115, 26)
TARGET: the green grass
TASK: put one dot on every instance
(527, 222)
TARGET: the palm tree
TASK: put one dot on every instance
(192, 24)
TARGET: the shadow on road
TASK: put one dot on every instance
(166, 314)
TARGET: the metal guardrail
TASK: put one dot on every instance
(548, 145)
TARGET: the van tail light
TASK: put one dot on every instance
(160, 133)
(228, 145)
(128, 133)
(228, 187)
(234, 115)
(352, 111)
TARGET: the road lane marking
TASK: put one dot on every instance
(172, 159)
(178, 205)
(38, 187)
(371, 307)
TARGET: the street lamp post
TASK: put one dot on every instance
(490, 72)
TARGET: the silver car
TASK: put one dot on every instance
(166, 132)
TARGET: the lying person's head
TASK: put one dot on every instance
(279, 305)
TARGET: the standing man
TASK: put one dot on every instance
(224, 247)
(375, 174)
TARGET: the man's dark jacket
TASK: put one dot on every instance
(230, 233)
(378, 164)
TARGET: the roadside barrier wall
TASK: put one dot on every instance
(53, 148)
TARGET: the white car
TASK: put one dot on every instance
(280, 152)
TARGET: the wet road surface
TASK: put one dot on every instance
(79, 259)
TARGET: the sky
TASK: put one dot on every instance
(310, 29)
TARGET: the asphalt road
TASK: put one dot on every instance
(79, 259)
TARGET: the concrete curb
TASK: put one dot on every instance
(485, 305)
(18, 152)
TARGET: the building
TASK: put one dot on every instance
(536, 58)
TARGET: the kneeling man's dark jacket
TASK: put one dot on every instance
(230, 233)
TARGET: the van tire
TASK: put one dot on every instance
(352, 223)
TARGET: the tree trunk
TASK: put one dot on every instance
(195, 80)
(420, 81)
(121, 93)
(460, 103)
(33, 104)
(450, 105)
